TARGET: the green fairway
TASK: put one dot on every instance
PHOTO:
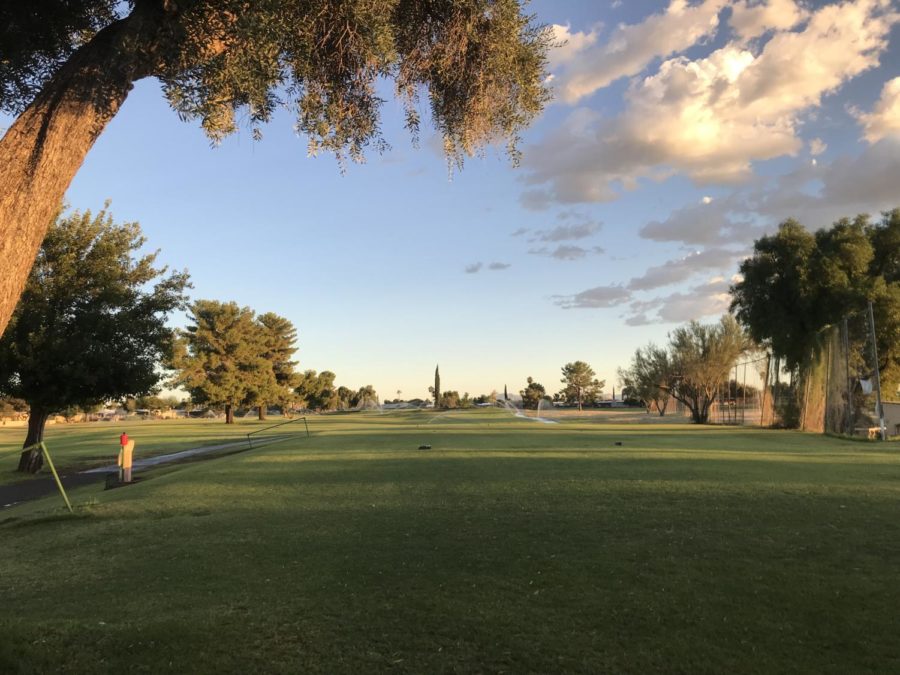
(510, 546)
(82, 446)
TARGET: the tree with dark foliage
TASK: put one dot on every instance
(89, 326)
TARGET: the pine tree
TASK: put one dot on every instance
(581, 384)
(279, 337)
(221, 356)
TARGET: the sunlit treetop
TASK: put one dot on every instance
(479, 64)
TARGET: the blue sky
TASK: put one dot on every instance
(680, 131)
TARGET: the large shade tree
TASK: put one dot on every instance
(221, 356)
(66, 69)
(279, 339)
(701, 356)
(91, 323)
(581, 384)
(798, 282)
(532, 394)
(650, 377)
(366, 397)
(316, 391)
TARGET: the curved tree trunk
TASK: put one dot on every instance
(46, 145)
(32, 459)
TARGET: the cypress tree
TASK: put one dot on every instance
(437, 386)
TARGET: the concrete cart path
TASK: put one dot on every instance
(10, 495)
(175, 456)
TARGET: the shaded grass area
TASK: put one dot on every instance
(509, 547)
(82, 446)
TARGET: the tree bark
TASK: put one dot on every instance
(32, 459)
(229, 414)
(261, 410)
(46, 145)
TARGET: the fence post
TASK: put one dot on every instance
(845, 343)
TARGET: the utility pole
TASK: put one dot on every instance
(845, 344)
(879, 409)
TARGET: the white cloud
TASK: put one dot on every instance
(569, 45)
(795, 69)
(601, 296)
(710, 299)
(568, 232)
(884, 119)
(566, 252)
(587, 65)
(707, 299)
(711, 117)
(704, 223)
(681, 269)
(536, 200)
(819, 195)
(706, 200)
(752, 20)
(498, 266)
(817, 146)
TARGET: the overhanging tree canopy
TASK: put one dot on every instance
(67, 67)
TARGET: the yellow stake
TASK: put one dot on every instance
(56, 475)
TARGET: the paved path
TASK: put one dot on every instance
(10, 495)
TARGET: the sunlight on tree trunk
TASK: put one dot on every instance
(32, 459)
(47, 144)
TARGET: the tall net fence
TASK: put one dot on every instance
(744, 398)
(839, 391)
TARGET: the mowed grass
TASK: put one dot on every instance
(82, 446)
(510, 546)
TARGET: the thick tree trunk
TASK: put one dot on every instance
(46, 145)
(32, 459)
(701, 411)
(261, 410)
(229, 414)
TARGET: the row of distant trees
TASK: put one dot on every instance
(318, 392)
(581, 387)
(90, 327)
